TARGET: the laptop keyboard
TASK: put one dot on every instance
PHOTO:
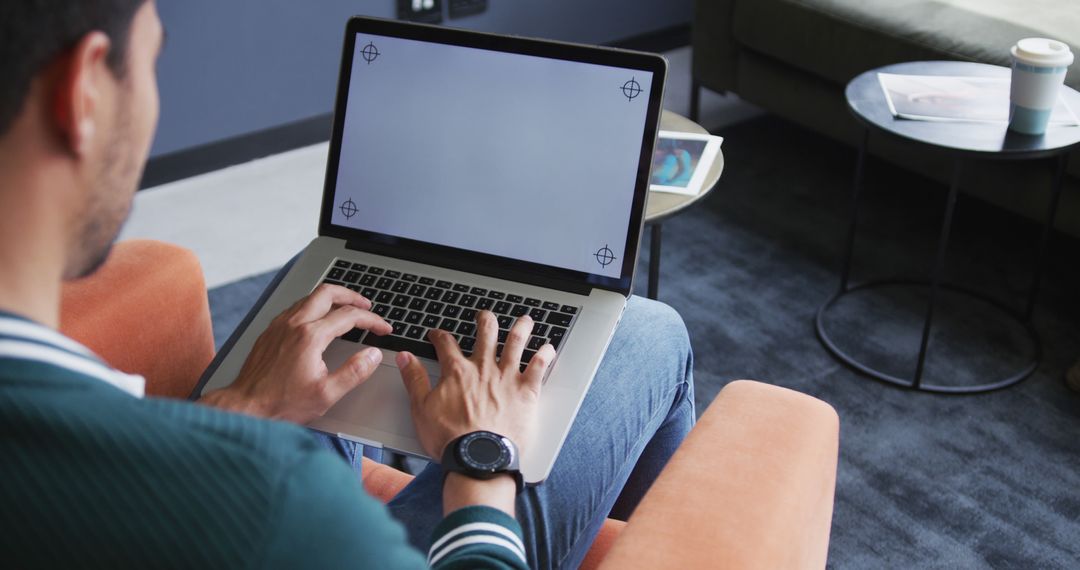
(414, 304)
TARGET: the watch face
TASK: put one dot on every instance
(485, 451)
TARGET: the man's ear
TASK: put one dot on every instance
(80, 87)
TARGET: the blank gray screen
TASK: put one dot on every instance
(517, 156)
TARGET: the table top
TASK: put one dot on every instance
(660, 205)
(867, 101)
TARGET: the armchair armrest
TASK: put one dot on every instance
(145, 311)
(751, 487)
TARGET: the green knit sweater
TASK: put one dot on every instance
(93, 476)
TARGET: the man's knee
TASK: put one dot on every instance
(655, 324)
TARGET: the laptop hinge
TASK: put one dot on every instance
(478, 267)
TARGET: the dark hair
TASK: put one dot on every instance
(33, 33)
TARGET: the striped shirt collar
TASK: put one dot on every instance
(23, 339)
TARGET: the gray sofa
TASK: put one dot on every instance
(794, 57)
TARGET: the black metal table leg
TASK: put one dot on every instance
(939, 266)
(856, 191)
(654, 261)
(1044, 241)
(695, 100)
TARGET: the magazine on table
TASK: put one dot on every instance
(681, 161)
(959, 99)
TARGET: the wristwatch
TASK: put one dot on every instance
(483, 455)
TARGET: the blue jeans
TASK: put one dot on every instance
(637, 412)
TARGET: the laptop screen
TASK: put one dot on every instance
(519, 156)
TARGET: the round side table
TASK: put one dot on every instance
(663, 205)
(964, 142)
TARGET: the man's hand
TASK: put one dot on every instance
(480, 392)
(285, 376)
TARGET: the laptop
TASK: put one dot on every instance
(470, 171)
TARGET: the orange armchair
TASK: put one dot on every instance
(751, 487)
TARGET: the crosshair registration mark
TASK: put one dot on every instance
(631, 89)
(369, 52)
(604, 256)
(348, 209)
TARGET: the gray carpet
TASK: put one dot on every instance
(925, 481)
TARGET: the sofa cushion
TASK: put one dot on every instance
(838, 39)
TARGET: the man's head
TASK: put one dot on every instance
(79, 105)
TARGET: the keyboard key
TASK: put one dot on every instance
(499, 348)
(484, 304)
(393, 274)
(559, 319)
(384, 283)
(515, 298)
(497, 295)
(548, 305)
(417, 304)
(359, 267)
(468, 315)
(367, 280)
(452, 311)
(467, 301)
(451, 297)
(467, 344)
(537, 314)
(532, 302)
(409, 277)
(352, 276)
(444, 284)
(556, 336)
(479, 292)
(427, 281)
(416, 332)
(384, 297)
(461, 288)
(435, 307)
(399, 329)
(332, 282)
(448, 325)
(569, 310)
(527, 355)
(369, 293)
(536, 342)
(414, 317)
(342, 263)
(467, 329)
(505, 322)
(417, 290)
(431, 321)
(434, 293)
(336, 274)
(502, 308)
(539, 329)
(354, 288)
(381, 310)
(375, 270)
(421, 349)
(353, 335)
(400, 287)
(400, 300)
(397, 314)
(519, 310)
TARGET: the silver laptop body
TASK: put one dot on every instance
(512, 167)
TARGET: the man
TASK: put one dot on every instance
(92, 474)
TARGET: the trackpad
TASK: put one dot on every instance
(380, 403)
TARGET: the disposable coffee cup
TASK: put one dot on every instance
(1038, 72)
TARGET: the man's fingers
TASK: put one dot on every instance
(516, 340)
(345, 319)
(322, 300)
(353, 373)
(446, 348)
(538, 366)
(487, 332)
(415, 377)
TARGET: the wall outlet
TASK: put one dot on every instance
(426, 11)
(462, 8)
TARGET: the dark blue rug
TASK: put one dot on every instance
(924, 480)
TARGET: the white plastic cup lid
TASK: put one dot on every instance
(1043, 52)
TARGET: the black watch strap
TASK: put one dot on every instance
(499, 457)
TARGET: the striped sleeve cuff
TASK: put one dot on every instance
(478, 537)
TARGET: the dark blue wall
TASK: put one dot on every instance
(232, 67)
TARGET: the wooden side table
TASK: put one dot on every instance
(663, 205)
